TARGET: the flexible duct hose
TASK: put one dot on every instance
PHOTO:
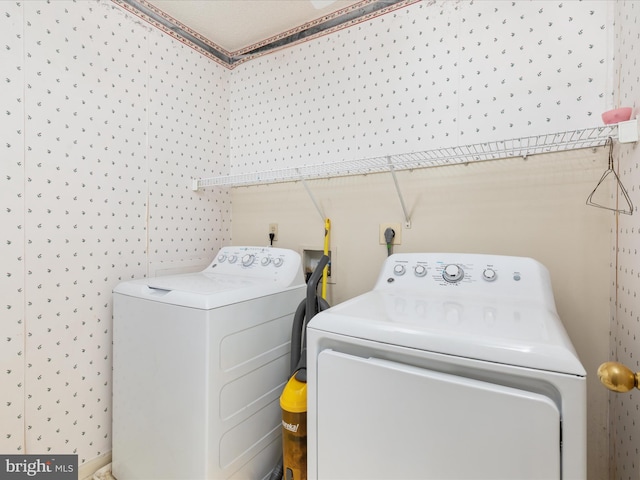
(298, 363)
(297, 330)
(278, 471)
(312, 287)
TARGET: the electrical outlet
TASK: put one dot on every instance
(273, 228)
(397, 228)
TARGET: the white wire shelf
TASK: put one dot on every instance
(517, 147)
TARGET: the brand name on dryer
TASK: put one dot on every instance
(290, 426)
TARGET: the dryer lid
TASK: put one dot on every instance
(516, 333)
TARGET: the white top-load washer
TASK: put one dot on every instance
(455, 366)
(200, 361)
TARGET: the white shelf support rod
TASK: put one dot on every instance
(407, 220)
(313, 199)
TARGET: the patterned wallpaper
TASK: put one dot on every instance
(430, 75)
(104, 122)
(105, 119)
(12, 236)
(624, 408)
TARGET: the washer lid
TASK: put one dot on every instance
(201, 290)
(236, 274)
(516, 333)
(203, 283)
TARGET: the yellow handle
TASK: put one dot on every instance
(617, 377)
(325, 271)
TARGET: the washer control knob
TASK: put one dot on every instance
(278, 262)
(489, 274)
(452, 273)
(248, 259)
(265, 261)
(222, 258)
(399, 270)
(233, 258)
(420, 270)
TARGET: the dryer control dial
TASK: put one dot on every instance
(277, 262)
(489, 274)
(265, 261)
(420, 270)
(248, 259)
(233, 258)
(399, 270)
(452, 273)
(222, 258)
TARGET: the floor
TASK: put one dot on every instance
(104, 474)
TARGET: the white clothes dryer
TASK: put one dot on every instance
(199, 363)
(455, 366)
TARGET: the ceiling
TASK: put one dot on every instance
(234, 31)
(236, 24)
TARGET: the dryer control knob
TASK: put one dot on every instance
(420, 271)
(248, 259)
(278, 262)
(489, 274)
(452, 273)
(399, 270)
(222, 258)
(233, 258)
(265, 261)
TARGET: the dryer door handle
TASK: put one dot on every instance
(617, 377)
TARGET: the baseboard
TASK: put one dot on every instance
(87, 469)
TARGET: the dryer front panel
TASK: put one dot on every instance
(378, 419)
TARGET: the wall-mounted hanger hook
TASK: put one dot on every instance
(618, 185)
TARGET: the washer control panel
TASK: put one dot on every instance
(255, 261)
(464, 272)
